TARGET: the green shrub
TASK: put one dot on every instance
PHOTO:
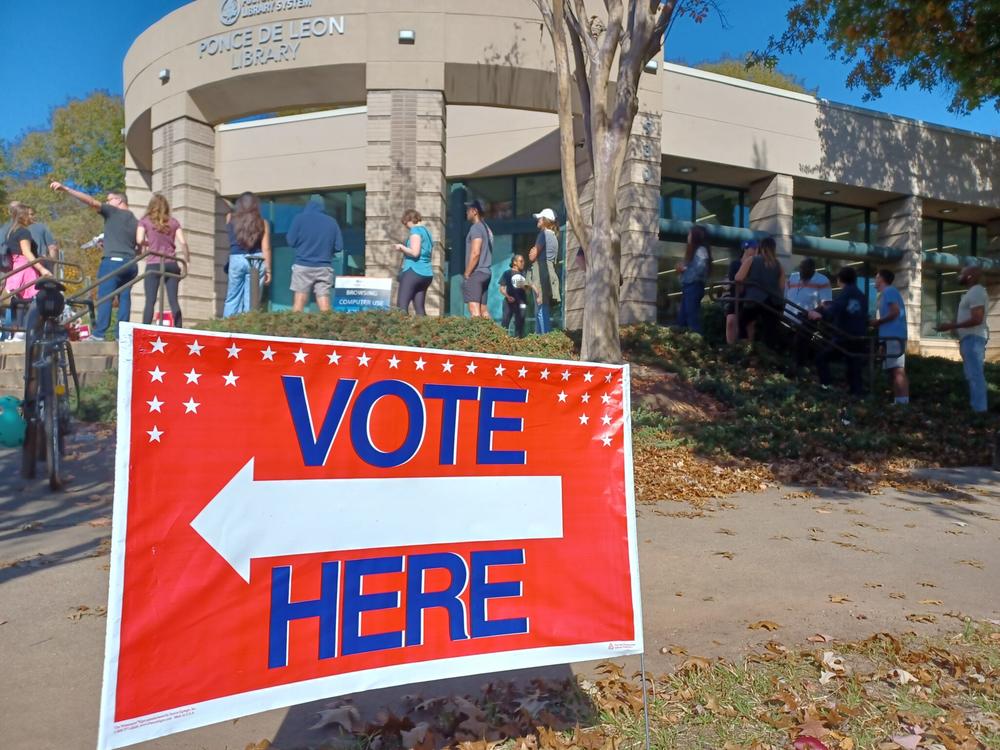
(393, 327)
(99, 399)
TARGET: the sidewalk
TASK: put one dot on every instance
(838, 563)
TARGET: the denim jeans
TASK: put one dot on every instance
(543, 323)
(689, 315)
(110, 287)
(238, 289)
(973, 350)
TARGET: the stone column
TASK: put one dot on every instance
(406, 169)
(639, 219)
(771, 212)
(899, 226)
(184, 171)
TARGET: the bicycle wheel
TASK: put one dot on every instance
(31, 446)
(50, 414)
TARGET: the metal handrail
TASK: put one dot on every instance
(8, 295)
(163, 274)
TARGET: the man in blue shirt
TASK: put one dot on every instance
(891, 325)
(316, 238)
(849, 313)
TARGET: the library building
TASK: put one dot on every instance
(383, 107)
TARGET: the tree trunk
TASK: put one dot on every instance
(601, 340)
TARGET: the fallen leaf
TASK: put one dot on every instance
(727, 555)
(901, 676)
(873, 585)
(763, 624)
(346, 717)
(921, 618)
(932, 602)
(973, 563)
(896, 595)
(819, 638)
(908, 741)
(807, 742)
(846, 744)
(696, 663)
(927, 584)
(839, 598)
(99, 522)
(413, 737)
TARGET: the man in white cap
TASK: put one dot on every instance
(973, 333)
(542, 277)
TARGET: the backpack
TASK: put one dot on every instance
(6, 258)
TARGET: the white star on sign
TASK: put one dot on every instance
(471, 367)
(155, 405)
(195, 348)
(584, 419)
(588, 376)
(522, 372)
(192, 376)
(545, 374)
(300, 356)
(231, 378)
(154, 434)
(607, 378)
(191, 406)
(499, 369)
(606, 420)
(333, 358)
(447, 366)
(157, 375)
(607, 441)
(159, 345)
(565, 374)
(420, 363)
(268, 353)
(585, 398)
(394, 362)
(364, 359)
(605, 399)
(562, 397)
(234, 351)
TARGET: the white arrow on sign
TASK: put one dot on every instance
(254, 519)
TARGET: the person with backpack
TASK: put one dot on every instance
(417, 273)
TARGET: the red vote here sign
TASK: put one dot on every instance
(296, 519)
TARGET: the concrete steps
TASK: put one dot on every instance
(92, 360)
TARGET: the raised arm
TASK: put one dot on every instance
(82, 197)
(181, 243)
(265, 247)
(474, 250)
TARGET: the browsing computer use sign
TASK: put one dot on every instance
(298, 519)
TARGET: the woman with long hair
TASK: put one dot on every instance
(161, 233)
(763, 290)
(417, 272)
(542, 276)
(694, 270)
(249, 235)
(22, 250)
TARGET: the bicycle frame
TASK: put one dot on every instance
(7, 295)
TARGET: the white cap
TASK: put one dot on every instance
(546, 213)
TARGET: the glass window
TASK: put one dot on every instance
(809, 218)
(929, 230)
(676, 200)
(496, 194)
(873, 226)
(956, 239)
(985, 246)
(538, 191)
(939, 298)
(848, 223)
(716, 205)
(668, 281)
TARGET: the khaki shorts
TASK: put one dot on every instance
(315, 279)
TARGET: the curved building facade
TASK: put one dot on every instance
(425, 104)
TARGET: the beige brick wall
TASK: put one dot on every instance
(899, 226)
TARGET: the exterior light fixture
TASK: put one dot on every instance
(652, 66)
(686, 169)
(407, 36)
(830, 191)
(947, 210)
(164, 75)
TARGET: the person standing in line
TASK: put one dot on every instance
(248, 234)
(478, 261)
(417, 273)
(891, 326)
(515, 299)
(849, 313)
(766, 280)
(22, 250)
(316, 238)
(542, 276)
(973, 332)
(161, 233)
(806, 289)
(694, 270)
(734, 329)
(120, 228)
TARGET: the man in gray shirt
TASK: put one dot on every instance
(478, 261)
(120, 227)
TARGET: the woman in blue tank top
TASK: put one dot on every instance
(417, 273)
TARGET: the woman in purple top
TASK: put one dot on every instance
(161, 233)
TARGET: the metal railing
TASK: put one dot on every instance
(869, 347)
(9, 297)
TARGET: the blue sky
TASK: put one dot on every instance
(75, 47)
